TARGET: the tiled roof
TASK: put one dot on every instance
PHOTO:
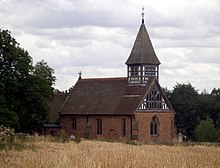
(142, 51)
(104, 96)
(55, 107)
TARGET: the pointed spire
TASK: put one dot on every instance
(142, 51)
(142, 14)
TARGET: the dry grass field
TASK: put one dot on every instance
(95, 154)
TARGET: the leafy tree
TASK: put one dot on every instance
(216, 107)
(184, 101)
(7, 117)
(15, 66)
(206, 132)
(209, 106)
(215, 92)
(24, 89)
(205, 106)
(191, 108)
(39, 92)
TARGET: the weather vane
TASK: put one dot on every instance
(142, 15)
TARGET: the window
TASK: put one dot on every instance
(134, 71)
(74, 124)
(123, 126)
(134, 74)
(154, 126)
(150, 71)
(99, 126)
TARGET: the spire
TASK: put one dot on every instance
(142, 63)
(142, 14)
(142, 51)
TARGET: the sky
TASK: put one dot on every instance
(96, 37)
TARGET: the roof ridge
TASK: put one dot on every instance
(110, 78)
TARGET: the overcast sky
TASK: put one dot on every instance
(96, 37)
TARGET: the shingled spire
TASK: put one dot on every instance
(142, 62)
(142, 51)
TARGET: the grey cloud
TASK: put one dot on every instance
(48, 14)
(203, 55)
(97, 36)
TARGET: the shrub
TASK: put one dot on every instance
(6, 134)
(62, 136)
(206, 132)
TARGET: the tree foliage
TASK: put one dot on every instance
(24, 89)
(192, 108)
(183, 100)
(206, 131)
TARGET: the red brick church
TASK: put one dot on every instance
(127, 108)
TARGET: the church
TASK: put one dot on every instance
(123, 108)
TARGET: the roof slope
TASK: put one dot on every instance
(105, 96)
(142, 51)
(95, 96)
(132, 98)
(55, 107)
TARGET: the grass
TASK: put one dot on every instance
(18, 144)
(93, 154)
(12, 146)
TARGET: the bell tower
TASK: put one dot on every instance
(142, 62)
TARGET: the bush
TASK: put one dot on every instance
(6, 134)
(206, 132)
(62, 136)
(7, 139)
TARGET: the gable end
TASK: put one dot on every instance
(155, 100)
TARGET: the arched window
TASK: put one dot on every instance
(154, 126)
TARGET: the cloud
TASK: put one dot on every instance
(63, 14)
(96, 37)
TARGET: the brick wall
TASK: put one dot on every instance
(112, 126)
(136, 127)
(166, 127)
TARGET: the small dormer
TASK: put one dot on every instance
(142, 62)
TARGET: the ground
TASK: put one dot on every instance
(86, 154)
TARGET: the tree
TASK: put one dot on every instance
(216, 107)
(191, 108)
(24, 89)
(8, 118)
(206, 132)
(209, 106)
(184, 101)
(15, 66)
(215, 92)
(39, 92)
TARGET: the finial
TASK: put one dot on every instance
(80, 75)
(142, 15)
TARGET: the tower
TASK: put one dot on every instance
(142, 62)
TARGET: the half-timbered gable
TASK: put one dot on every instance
(155, 99)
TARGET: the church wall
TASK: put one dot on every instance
(166, 126)
(112, 126)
